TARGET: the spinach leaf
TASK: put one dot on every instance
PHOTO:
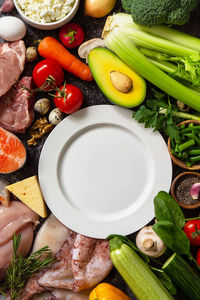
(165, 280)
(173, 236)
(166, 209)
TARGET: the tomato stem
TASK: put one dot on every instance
(71, 35)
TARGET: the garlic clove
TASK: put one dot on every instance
(195, 191)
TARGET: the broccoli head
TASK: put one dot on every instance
(126, 4)
(155, 12)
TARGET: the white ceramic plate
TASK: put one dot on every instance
(99, 171)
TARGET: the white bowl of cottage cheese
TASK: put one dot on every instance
(47, 14)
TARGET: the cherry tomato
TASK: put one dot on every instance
(71, 35)
(192, 230)
(198, 257)
(46, 68)
(69, 98)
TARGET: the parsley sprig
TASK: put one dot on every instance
(160, 114)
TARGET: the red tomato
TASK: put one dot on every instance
(198, 257)
(46, 68)
(192, 230)
(71, 35)
(69, 98)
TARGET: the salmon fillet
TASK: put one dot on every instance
(12, 152)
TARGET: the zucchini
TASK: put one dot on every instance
(141, 280)
(183, 275)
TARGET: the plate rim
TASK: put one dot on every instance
(90, 116)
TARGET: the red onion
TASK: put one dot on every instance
(7, 6)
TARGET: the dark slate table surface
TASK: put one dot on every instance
(92, 96)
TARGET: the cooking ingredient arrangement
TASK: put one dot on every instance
(99, 150)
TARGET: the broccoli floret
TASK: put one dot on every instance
(126, 4)
(154, 12)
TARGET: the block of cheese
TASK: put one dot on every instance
(28, 191)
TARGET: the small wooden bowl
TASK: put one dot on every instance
(177, 161)
(173, 189)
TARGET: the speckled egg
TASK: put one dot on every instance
(55, 116)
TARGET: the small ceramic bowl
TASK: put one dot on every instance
(52, 25)
(177, 161)
(174, 186)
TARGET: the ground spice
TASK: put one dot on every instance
(183, 187)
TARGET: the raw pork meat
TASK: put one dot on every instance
(16, 107)
(12, 61)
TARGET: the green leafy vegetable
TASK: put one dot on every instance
(152, 12)
(160, 114)
(166, 209)
(22, 268)
(173, 236)
(123, 36)
(152, 116)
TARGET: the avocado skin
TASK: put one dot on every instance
(103, 61)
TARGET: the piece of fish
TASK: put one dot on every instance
(12, 152)
(4, 193)
(48, 235)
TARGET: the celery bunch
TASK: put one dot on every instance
(166, 57)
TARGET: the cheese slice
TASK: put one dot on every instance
(28, 191)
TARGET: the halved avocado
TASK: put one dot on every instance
(119, 83)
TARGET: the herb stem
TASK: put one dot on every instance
(179, 114)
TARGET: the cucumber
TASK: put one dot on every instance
(141, 280)
(183, 275)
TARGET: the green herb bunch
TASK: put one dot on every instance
(22, 268)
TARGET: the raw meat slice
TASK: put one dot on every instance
(16, 107)
(13, 218)
(12, 60)
(4, 193)
(12, 152)
(24, 247)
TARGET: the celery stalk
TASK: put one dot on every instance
(117, 40)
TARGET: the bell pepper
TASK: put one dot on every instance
(105, 291)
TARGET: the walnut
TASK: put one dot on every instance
(39, 128)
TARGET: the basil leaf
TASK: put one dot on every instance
(167, 209)
(165, 280)
(173, 236)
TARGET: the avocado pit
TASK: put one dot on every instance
(121, 82)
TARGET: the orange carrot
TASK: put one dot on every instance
(49, 47)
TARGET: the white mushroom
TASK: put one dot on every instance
(86, 47)
(42, 106)
(55, 116)
(149, 243)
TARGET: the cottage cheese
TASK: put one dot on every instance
(46, 11)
